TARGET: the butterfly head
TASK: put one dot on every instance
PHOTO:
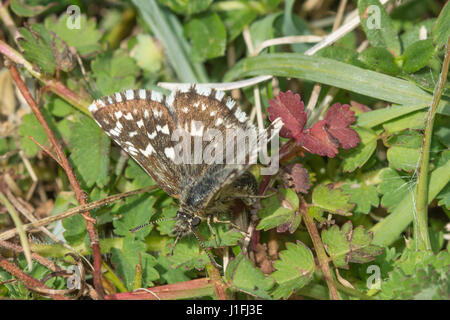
(186, 222)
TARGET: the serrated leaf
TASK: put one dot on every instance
(417, 55)
(393, 188)
(31, 127)
(236, 20)
(60, 107)
(380, 59)
(85, 39)
(90, 152)
(169, 274)
(347, 245)
(365, 197)
(332, 200)
(378, 26)
(132, 254)
(357, 157)
(187, 254)
(75, 229)
(444, 197)
(25, 8)
(138, 175)
(241, 274)
(263, 29)
(278, 210)
(403, 158)
(207, 29)
(114, 72)
(136, 211)
(36, 44)
(294, 269)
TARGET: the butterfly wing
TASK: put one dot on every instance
(200, 110)
(141, 123)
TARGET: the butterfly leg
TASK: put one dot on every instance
(235, 226)
(208, 222)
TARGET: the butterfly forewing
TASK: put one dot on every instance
(140, 122)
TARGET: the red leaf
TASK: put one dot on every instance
(338, 119)
(289, 108)
(295, 176)
(317, 140)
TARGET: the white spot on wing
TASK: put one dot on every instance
(132, 133)
(140, 123)
(213, 113)
(157, 113)
(156, 96)
(204, 91)
(184, 87)
(128, 116)
(146, 114)
(118, 114)
(164, 129)
(185, 109)
(152, 135)
(93, 107)
(170, 153)
(219, 121)
(118, 97)
(220, 95)
(148, 150)
(110, 100)
(230, 104)
(100, 102)
(129, 94)
(240, 115)
(142, 94)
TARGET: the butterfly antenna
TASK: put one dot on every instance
(218, 266)
(150, 223)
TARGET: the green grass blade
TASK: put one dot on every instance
(337, 74)
(163, 25)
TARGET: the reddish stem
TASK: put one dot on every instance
(70, 175)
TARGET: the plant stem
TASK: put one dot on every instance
(421, 236)
(320, 250)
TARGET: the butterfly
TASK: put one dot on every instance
(182, 141)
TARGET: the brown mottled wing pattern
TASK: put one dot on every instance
(141, 123)
(199, 109)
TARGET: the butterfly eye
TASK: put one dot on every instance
(196, 221)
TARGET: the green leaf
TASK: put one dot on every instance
(365, 197)
(378, 26)
(186, 7)
(208, 37)
(294, 269)
(169, 32)
(389, 229)
(187, 254)
(169, 274)
(132, 254)
(236, 20)
(380, 59)
(441, 30)
(75, 229)
(293, 25)
(341, 54)
(59, 107)
(413, 34)
(24, 8)
(36, 44)
(244, 276)
(278, 210)
(375, 117)
(414, 120)
(140, 178)
(444, 197)
(404, 151)
(347, 245)
(334, 73)
(147, 55)
(136, 211)
(90, 152)
(31, 127)
(357, 157)
(332, 200)
(417, 55)
(418, 275)
(114, 72)
(86, 39)
(393, 188)
(263, 29)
